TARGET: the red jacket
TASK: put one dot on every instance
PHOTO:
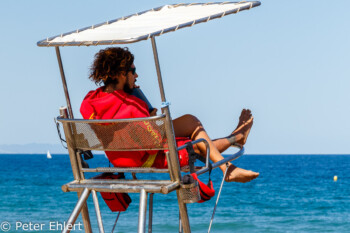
(117, 105)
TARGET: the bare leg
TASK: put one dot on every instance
(190, 126)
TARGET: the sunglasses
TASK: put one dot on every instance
(133, 70)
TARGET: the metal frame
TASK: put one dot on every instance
(173, 162)
(71, 120)
(84, 187)
(120, 187)
(130, 186)
(150, 215)
(47, 43)
(81, 185)
(98, 212)
(78, 207)
(142, 211)
(223, 161)
(77, 175)
(64, 82)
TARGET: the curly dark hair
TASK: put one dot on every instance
(109, 63)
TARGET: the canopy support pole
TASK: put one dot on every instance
(63, 77)
(173, 162)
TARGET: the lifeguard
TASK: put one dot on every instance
(114, 68)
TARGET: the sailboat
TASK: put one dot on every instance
(48, 155)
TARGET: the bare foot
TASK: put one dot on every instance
(240, 134)
(236, 174)
(246, 114)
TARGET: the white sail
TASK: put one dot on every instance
(49, 155)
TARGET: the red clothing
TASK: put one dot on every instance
(116, 105)
(119, 105)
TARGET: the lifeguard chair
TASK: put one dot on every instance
(109, 135)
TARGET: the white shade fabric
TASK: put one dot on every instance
(143, 25)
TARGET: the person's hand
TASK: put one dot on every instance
(154, 112)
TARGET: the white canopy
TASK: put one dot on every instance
(143, 25)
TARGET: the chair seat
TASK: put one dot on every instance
(126, 169)
(136, 169)
(122, 186)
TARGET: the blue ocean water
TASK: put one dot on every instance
(294, 193)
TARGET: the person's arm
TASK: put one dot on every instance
(153, 112)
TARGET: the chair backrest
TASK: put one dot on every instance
(136, 134)
(116, 135)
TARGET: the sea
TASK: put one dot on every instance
(294, 193)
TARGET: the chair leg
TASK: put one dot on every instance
(98, 212)
(142, 211)
(183, 213)
(180, 224)
(74, 215)
(150, 218)
(86, 219)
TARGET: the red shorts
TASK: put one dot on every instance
(161, 162)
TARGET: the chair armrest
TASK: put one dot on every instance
(208, 150)
(223, 161)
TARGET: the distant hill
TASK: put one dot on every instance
(33, 148)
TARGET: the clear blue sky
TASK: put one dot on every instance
(288, 61)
